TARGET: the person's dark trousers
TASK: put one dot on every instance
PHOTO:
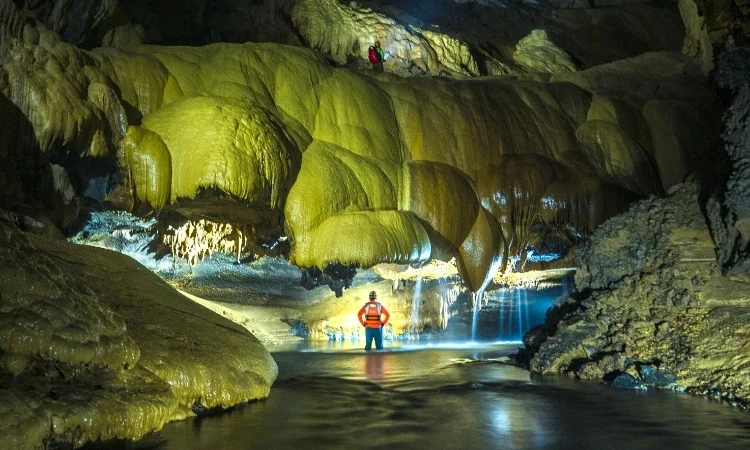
(378, 67)
(377, 335)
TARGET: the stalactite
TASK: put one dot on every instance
(196, 240)
(448, 298)
(11, 22)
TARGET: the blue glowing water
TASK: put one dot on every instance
(509, 313)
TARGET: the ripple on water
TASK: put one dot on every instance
(453, 398)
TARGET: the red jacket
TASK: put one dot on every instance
(370, 317)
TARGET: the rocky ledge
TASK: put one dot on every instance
(94, 346)
(651, 307)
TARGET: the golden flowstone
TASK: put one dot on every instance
(366, 170)
(102, 348)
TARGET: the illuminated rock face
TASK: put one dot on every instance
(365, 171)
(52, 320)
(538, 54)
(346, 32)
(101, 348)
(654, 302)
(230, 145)
(652, 299)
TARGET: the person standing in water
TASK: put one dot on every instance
(370, 318)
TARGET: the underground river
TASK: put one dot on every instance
(334, 395)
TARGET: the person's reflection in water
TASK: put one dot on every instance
(374, 367)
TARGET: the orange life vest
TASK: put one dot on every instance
(372, 314)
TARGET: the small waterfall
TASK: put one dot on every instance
(568, 284)
(519, 317)
(416, 302)
(520, 310)
(477, 298)
(501, 308)
(526, 308)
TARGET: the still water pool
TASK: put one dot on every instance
(451, 397)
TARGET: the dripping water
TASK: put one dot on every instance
(519, 307)
(526, 311)
(501, 327)
(477, 305)
(416, 302)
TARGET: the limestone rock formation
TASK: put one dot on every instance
(536, 52)
(352, 167)
(697, 43)
(94, 346)
(731, 224)
(199, 22)
(712, 27)
(662, 290)
(72, 19)
(616, 30)
(346, 31)
(237, 147)
(651, 295)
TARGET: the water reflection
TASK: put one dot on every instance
(375, 367)
(453, 397)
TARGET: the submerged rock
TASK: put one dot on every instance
(653, 376)
(626, 381)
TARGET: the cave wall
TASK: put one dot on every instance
(662, 294)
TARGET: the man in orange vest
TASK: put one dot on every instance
(369, 317)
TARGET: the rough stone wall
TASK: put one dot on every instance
(346, 31)
(71, 19)
(662, 293)
(651, 307)
(697, 42)
(261, 106)
(287, 101)
(732, 219)
(712, 27)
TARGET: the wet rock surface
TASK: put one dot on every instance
(662, 290)
(95, 346)
(652, 307)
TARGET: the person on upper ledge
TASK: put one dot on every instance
(370, 318)
(376, 55)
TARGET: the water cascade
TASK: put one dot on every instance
(501, 323)
(476, 306)
(516, 310)
(416, 302)
(520, 304)
(526, 309)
